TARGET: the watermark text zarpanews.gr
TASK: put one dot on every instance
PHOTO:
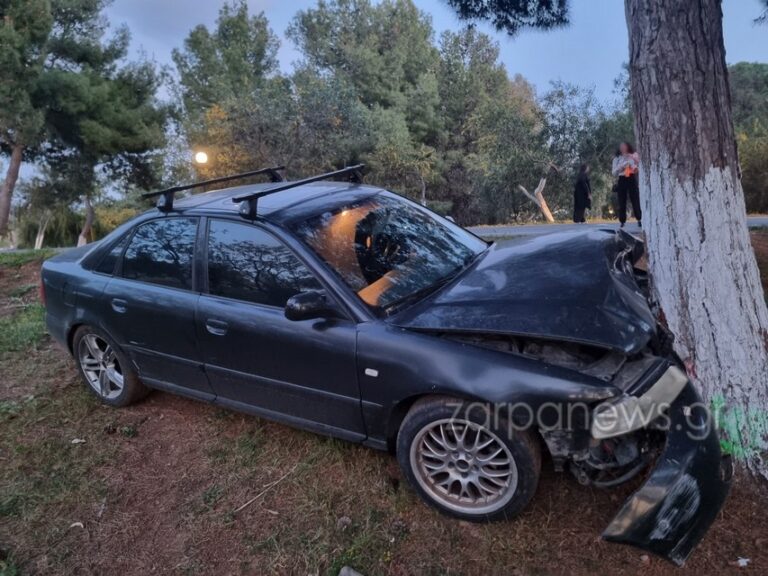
(697, 420)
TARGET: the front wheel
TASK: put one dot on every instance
(464, 463)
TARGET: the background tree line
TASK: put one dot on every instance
(436, 117)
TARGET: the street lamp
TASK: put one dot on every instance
(201, 157)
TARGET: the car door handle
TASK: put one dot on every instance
(119, 305)
(216, 327)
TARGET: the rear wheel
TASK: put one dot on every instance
(105, 369)
(465, 464)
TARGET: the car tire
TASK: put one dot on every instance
(464, 463)
(105, 369)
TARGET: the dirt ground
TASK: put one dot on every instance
(174, 486)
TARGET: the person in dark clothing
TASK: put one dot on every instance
(625, 166)
(582, 194)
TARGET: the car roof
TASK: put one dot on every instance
(294, 203)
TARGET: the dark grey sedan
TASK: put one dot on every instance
(350, 311)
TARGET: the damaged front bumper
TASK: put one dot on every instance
(681, 498)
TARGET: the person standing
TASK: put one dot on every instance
(625, 165)
(582, 194)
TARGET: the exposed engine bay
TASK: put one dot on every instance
(605, 462)
(602, 462)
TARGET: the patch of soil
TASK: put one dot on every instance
(18, 286)
(175, 480)
(43, 367)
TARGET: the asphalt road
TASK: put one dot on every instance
(538, 229)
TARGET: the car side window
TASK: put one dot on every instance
(247, 263)
(108, 261)
(161, 252)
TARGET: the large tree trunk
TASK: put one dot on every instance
(85, 233)
(6, 190)
(703, 270)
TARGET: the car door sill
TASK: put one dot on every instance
(180, 390)
(293, 421)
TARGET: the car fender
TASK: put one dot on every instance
(396, 364)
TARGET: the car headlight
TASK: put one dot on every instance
(630, 413)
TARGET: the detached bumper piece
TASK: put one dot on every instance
(672, 511)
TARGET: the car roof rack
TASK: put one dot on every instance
(249, 202)
(165, 200)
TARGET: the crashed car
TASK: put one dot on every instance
(348, 310)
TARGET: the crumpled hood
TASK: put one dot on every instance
(570, 286)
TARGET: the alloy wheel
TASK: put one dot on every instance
(464, 466)
(100, 366)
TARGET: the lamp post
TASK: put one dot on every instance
(201, 157)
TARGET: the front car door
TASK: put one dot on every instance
(302, 372)
(149, 305)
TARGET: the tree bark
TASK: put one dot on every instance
(85, 233)
(703, 271)
(6, 190)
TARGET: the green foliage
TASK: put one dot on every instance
(62, 84)
(763, 18)
(753, 156)
(440, 123)
(749, 98)
(443, 123)
(228, 63)
(512, 16)
(382, 49)
(749, 94)
(24, 29)
(469, 76)
(23, 329)
(68, 94)
(18, 258)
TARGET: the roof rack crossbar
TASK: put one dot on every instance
(165, 200)
(249, 205)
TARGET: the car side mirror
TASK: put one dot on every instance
(310, 304)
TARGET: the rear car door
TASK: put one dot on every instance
(302, 372)
(150, 305)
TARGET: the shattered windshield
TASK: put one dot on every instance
(388, 249)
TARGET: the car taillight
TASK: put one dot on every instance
(41, 291)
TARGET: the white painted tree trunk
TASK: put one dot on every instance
(703, 270)
(41, 228)
(85, 233)
(538, 198)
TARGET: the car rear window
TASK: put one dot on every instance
(108, 262)
(161, 252)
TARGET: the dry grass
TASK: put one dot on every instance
(154, 489)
